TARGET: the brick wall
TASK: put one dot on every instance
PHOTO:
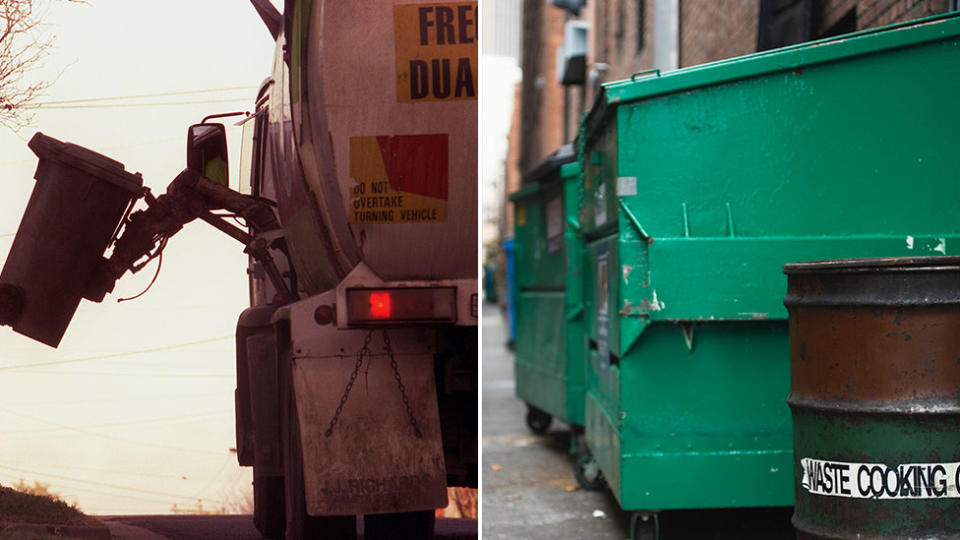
(873, 13)
(618, 39)
(511, 179)
(541, 97)
(711, 30)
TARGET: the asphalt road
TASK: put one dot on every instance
(529, 490)
(236, 527)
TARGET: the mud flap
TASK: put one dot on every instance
(372, 461)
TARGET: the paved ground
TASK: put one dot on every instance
(164, 527)
(527, 478)
(236, 527)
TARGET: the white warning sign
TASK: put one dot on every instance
(880, 481)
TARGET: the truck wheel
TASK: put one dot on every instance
(268, 508)
(301, 525)
(538, 420)
(413, 525)
(588, 473)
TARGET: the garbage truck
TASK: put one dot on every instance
(357, 358)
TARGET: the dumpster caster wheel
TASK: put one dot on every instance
(538, 420)
(644, 526)
(588, 473)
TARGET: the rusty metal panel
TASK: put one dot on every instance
(875, 396)
(374, 454)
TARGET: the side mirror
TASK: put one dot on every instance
(207, 152)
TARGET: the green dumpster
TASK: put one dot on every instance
(551, 344)
(699, 185)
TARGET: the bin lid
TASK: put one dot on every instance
(652, 84)
(550, 166)
(86, 160)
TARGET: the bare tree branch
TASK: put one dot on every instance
(23, 47)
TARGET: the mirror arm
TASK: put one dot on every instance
(256, 247)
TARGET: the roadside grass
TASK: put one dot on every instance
(20, 507)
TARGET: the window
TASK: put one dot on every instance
(784, 22)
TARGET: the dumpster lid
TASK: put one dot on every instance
(524, 192)
(551, 164)
(652, 83)
(86, 160)
(887, 264)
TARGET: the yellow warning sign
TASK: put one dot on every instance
(399, 179)
(436, 47)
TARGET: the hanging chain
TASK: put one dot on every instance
(365, 352)
(353, 377)
(403, 390)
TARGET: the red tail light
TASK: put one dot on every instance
(426, 304)
(380, 305)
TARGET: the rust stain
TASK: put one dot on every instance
(851, 354)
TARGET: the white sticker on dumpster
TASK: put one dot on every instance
(600, 205)
(626, 186)
(880, 481)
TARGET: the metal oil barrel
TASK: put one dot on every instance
(875, 397)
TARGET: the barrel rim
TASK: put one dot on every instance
(943, 406)
(875, 264)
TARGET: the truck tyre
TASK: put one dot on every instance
(301, 525)
(268, 509)
(412, 525)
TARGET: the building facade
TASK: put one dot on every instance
(624, 37)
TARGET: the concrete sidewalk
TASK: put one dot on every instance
(529, 490)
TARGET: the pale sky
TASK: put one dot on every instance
(136, 433)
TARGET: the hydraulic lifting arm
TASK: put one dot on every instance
(188, 197)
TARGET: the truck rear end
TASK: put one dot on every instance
(359, 396)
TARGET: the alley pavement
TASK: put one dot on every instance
(529, 490)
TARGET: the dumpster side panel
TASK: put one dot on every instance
(539, 237)
(602, 407)
(801, 152)
(540, 360)
(511, 300)
(597, 210)
(602, 425)
(685, 272)
(540, 352)
(705, 423)
(577, 344)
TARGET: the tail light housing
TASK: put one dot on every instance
(401, 305)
